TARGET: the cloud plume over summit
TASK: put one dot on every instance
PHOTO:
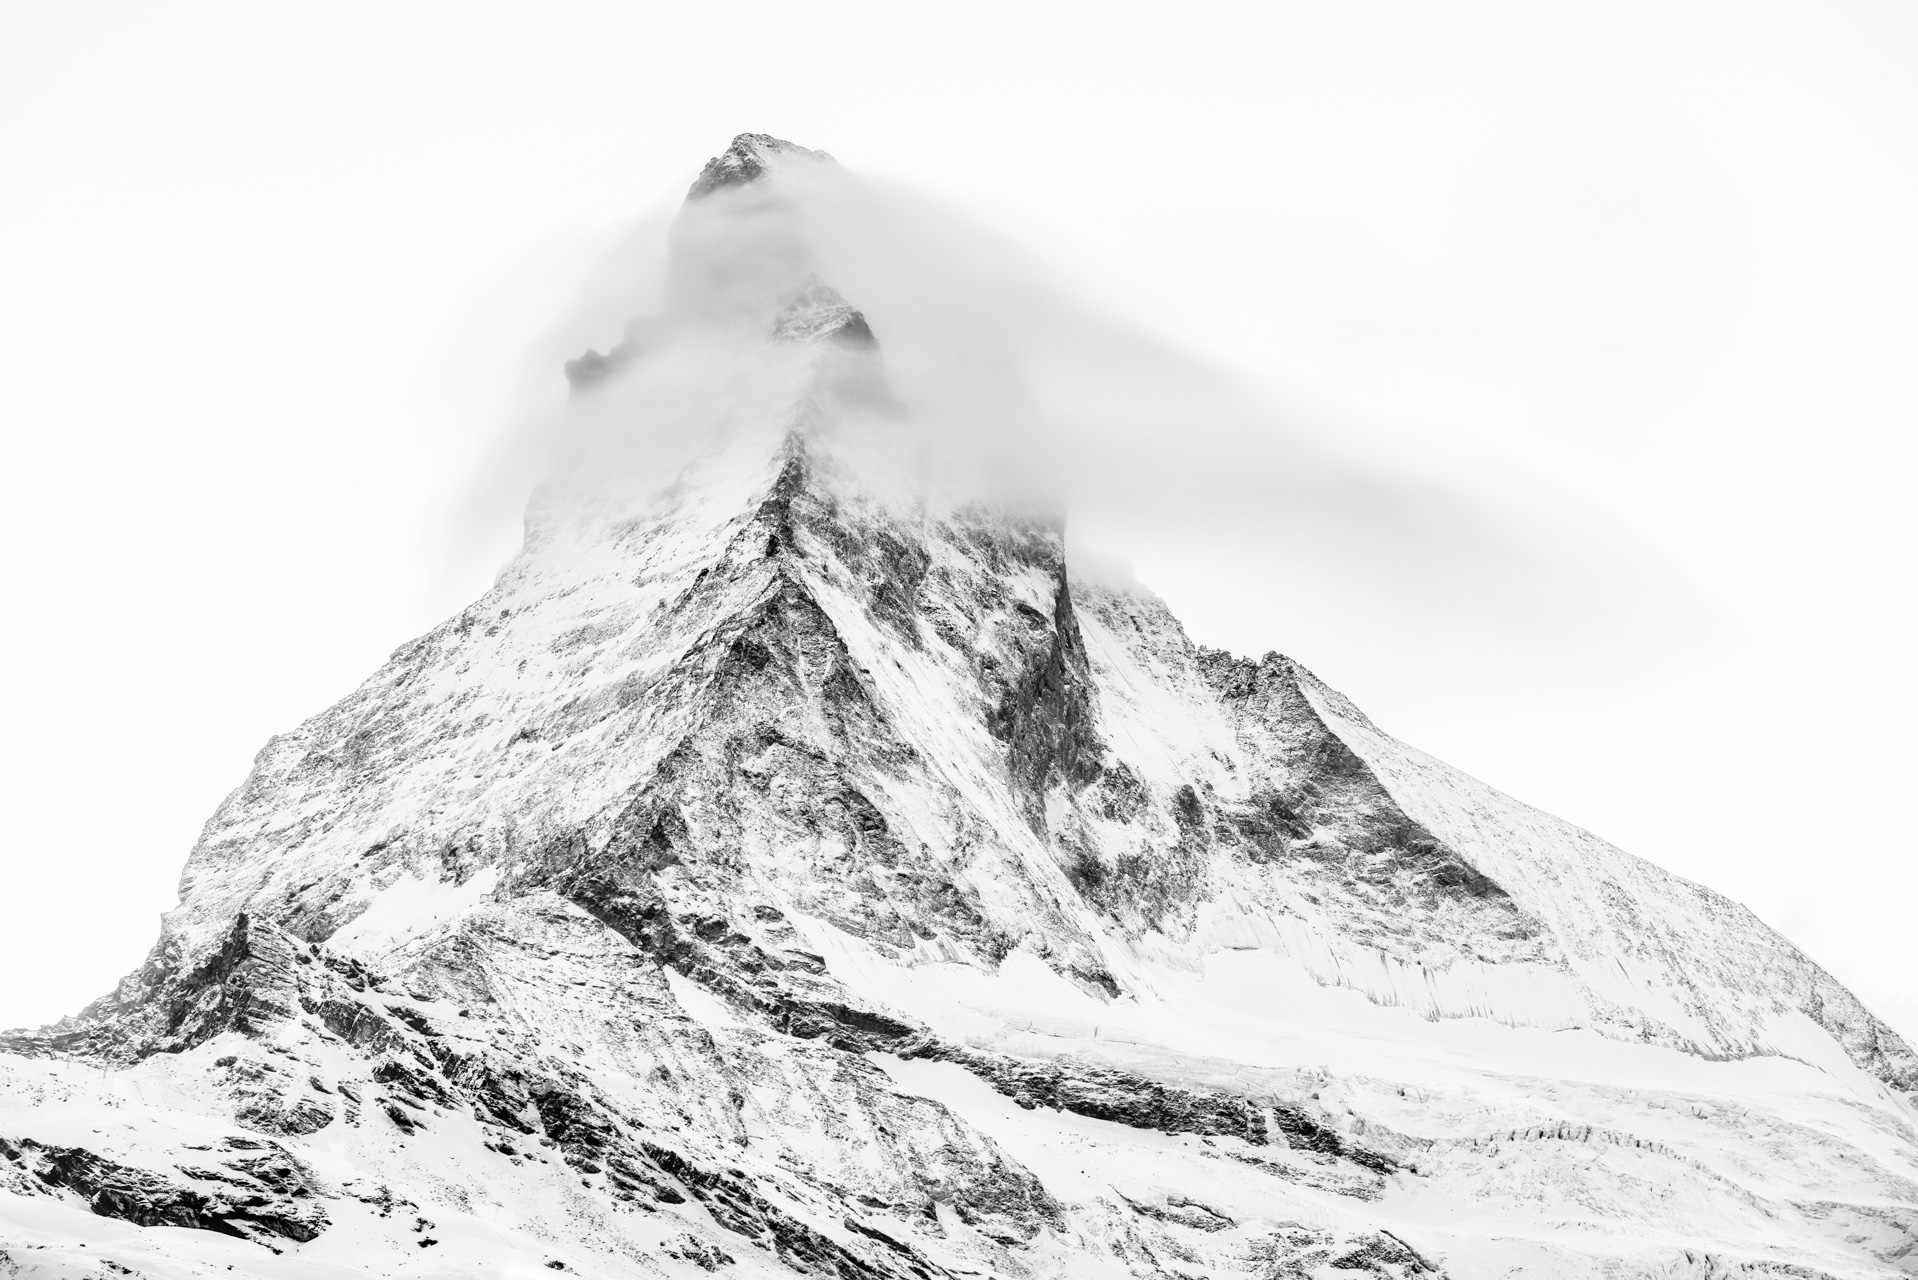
(992, 379)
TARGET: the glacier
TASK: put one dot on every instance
(798, 863)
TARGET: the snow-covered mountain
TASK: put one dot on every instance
(800, 868)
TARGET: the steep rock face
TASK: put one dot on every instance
(800, 872)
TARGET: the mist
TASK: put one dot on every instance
(995, 380)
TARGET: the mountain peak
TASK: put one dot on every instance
(794, 864)
(751, 266)
(750, 156)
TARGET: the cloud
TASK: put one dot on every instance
(995, 382)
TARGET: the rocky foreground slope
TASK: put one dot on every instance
(801, 872)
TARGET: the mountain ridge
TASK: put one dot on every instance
(791, 870)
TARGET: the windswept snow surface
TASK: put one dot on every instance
(796, 869)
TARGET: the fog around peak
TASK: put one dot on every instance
(997, 379)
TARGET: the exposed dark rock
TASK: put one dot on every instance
(705, 1256)
(739, 1207)
(1186, 1213)
(256, 1193)
(289, 1116)
(246, 985)
(1327, 816)
(743, 162)
(1123, 1098)
(1044, 710)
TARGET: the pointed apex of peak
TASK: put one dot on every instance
(749, 157)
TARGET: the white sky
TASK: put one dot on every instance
(270, 276)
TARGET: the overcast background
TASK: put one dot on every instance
(273, 276)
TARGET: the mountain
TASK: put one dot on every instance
(797, 865)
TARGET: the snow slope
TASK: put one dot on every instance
(798, 868)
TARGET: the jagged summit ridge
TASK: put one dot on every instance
(750, 157)
(786, 875)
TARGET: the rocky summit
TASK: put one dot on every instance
(796, 865)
